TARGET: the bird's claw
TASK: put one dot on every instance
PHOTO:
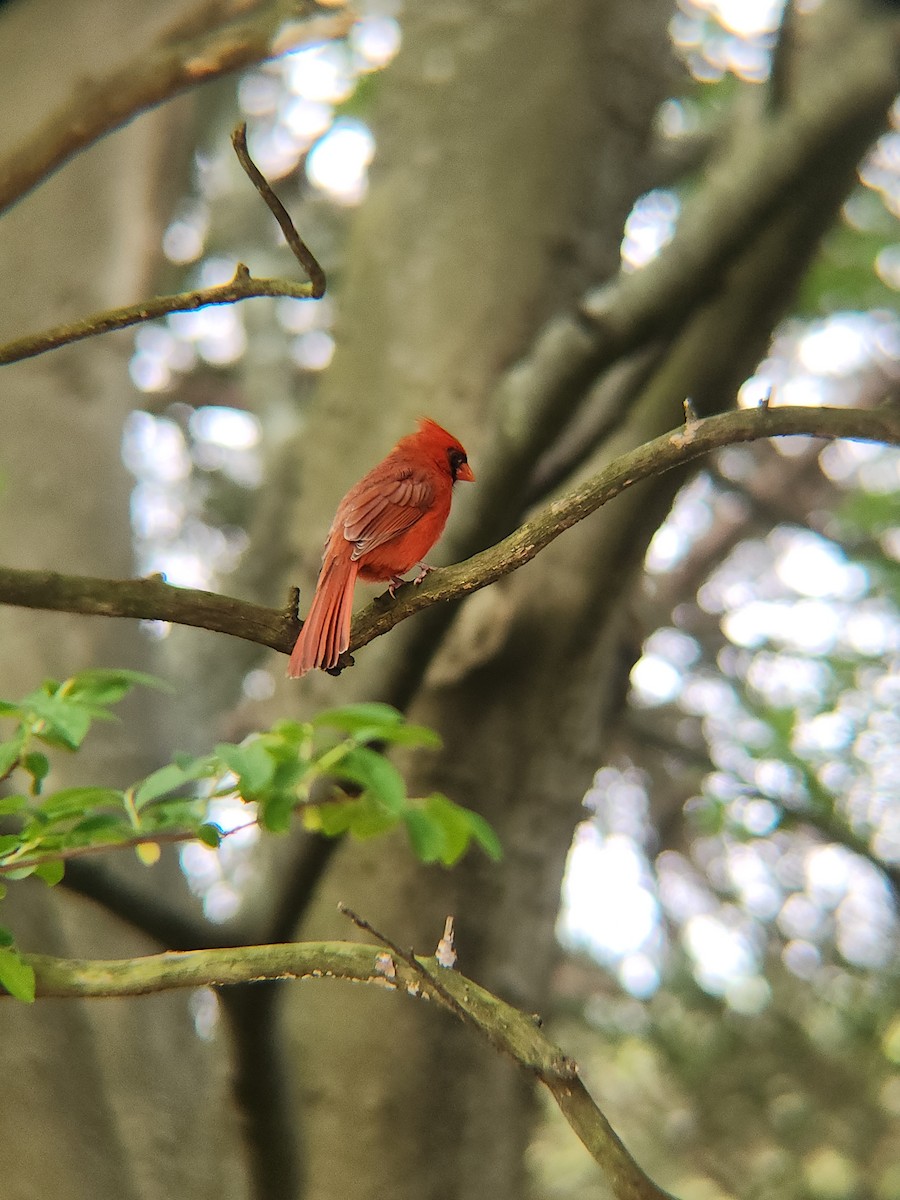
(398, 580)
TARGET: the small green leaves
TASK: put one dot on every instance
(16, 975)
(373, 773)
(376, 723)
(99, 688)
(167, 779)
(341, 752)
(441, 831)
(38, 766)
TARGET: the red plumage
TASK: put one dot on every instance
(382, 527)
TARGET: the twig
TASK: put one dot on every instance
(414, 965)
(140, 839)
(184, 56)
(154, 599)
(242, 287)
(299, 249)
(516, 1032)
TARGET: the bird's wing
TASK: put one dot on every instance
(382, 508)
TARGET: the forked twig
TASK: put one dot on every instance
(242, 287)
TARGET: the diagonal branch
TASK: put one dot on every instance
(837, 114)
(242, 287)
(191, 53)
(516, 1033)
(154, 599)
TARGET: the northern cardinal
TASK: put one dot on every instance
(382, 527)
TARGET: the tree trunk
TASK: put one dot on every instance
(504, 171)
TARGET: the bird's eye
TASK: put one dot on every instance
(455, 459)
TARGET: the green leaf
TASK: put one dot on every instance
(160, 783)
(107, 824)
(408, 735)
(330, 819)
(51, 872)
(455, 826)
(368, 820)
(75, 802)
(251, 763)
(441, 831)
(9, 755)
(484, 835)
(105, 687)
(17, 872)
(375, 774)
(12, 804)
(376, 719)
(38, 767)
(294, 734)
(426, 835)
(210, 835)
(10, 710)
(6, 936)
(9, 842)
(66, 722)
(16, 975)
(276, 810)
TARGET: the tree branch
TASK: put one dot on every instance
(242, 287)
(187, 54)
(653, 458)
(757, 169)
(150, 600)
(154, 599)
(514, 1032)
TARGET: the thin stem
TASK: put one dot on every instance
(242, 287)
(299, 249)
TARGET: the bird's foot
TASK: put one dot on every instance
(398, 580)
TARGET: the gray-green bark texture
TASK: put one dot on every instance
(511, 143)
(99, 1100)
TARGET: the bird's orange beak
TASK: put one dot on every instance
(466, 473)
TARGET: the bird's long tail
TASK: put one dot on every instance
(326, 631)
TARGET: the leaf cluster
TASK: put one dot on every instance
(331, 770)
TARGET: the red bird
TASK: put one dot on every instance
(382, 527)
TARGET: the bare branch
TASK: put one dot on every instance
(149, 600)
(515, 1032)
(154, 599)
(186, 55)
(299, 249)
(242, 287)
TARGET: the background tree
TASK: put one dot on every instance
(509, 153)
